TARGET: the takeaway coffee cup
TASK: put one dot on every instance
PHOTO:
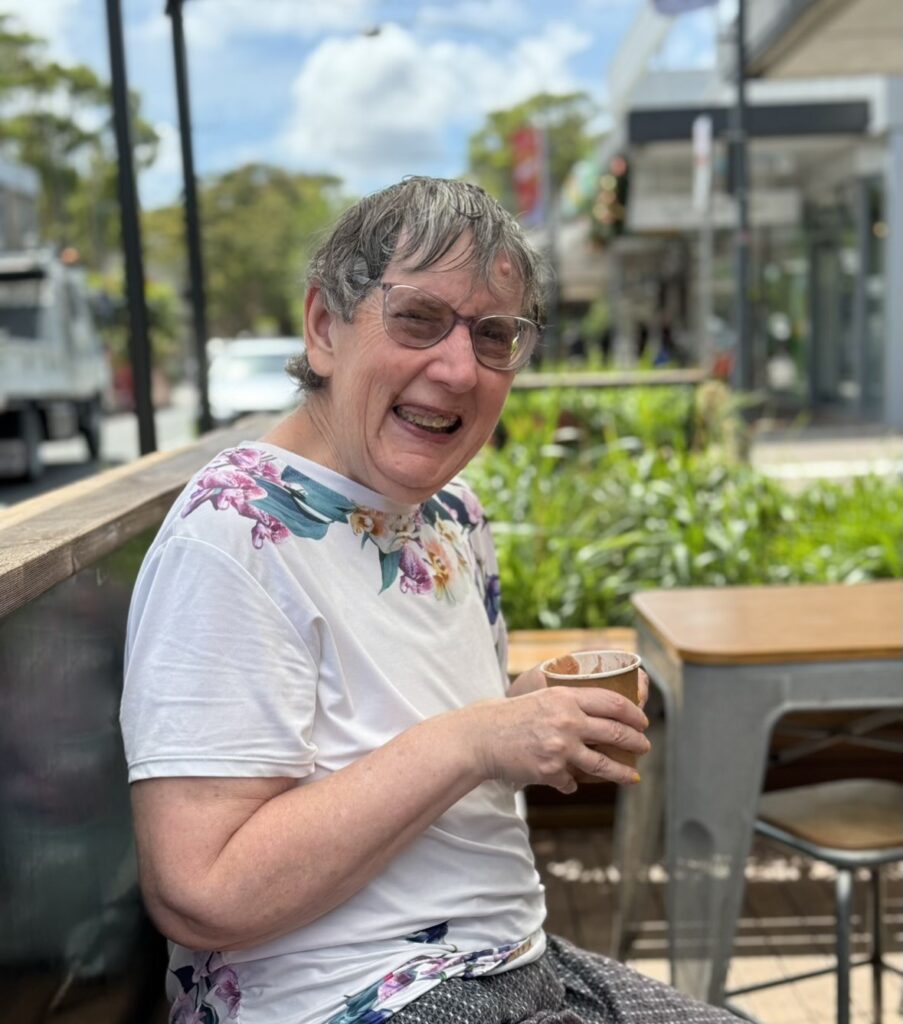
(610, 670)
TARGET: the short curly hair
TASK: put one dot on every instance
(418, 220)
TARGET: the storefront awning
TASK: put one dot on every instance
(812, 38)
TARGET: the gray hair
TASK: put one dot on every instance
(417, 221)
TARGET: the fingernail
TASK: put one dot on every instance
(636, 777)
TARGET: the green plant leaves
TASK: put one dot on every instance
(643, 497)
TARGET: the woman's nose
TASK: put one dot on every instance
(454, 363)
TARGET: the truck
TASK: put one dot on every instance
(54, 371)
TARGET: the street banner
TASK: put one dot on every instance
(672, 7)
(529, 174)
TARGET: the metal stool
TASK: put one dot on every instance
(849, 824)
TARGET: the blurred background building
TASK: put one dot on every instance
(825, 156)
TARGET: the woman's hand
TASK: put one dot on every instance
(544, 735)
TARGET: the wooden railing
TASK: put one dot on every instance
(75, 940)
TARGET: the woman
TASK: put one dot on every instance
(323, 748)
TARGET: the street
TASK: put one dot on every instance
(66, 461)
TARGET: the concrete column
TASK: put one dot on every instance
(893, 273)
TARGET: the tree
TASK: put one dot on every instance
(566, 121)
(258, 226)
(57, 119)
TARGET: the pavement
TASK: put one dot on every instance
(797, 455)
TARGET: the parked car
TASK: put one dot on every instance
(248, 375)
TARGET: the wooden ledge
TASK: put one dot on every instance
(51, 537)
(610, 379)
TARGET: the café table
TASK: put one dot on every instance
(728, 662)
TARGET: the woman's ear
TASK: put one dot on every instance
(318, 339)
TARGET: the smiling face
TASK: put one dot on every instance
(404, 421)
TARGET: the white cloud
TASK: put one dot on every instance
(372, 109)
(213, 25)
(49, 19)
(502, 16)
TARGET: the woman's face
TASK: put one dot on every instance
(399, 420)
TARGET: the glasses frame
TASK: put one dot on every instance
(468, 321)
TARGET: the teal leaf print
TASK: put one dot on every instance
(282, 504)
(186, 977)
(455, 503)
(318, 498)
(389, 562)
(434, 510)
(430, 935)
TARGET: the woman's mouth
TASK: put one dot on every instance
(433, 422)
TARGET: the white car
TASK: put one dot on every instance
(248, 375)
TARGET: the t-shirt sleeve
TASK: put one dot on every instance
(218, 680)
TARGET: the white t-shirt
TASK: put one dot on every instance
(287, 621)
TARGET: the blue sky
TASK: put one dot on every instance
(365, 89)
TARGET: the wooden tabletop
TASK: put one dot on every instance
(753, 625)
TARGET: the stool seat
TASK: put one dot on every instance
(849, 814)
(850, 824)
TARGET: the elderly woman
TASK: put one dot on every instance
(322, 743)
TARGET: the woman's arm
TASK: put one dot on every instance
(230, 863)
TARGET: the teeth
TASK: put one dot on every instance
(427, 420)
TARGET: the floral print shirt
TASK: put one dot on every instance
(286, 622)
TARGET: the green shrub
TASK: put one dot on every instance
(596, 495)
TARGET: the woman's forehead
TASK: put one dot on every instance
(465, 275)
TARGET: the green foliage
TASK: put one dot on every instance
(56, 119)
(565, 118)
(259, 226)
(596, 495)
(164, 314)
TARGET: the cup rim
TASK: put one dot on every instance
(635, 663)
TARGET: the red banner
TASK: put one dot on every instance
(529, 159)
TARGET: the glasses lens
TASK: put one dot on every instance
(415, 318)
(503, 342)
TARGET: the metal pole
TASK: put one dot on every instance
(139, 341)
(743, 368)
(192, 218)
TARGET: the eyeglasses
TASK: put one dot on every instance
(416, 319)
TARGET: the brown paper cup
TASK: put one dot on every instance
(611, 670)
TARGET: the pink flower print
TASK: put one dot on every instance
(184, 1012)
(394, 982)
(475, 511)
(225, 985)
(266, 528)
(415, 577)
(223, 487)
(252, 461)
(200, 963)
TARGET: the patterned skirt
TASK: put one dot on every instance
(566, 985)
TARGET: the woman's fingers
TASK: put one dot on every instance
(601, 766)
(599, 703)
(611, 733)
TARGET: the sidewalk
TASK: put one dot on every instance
(799, 455)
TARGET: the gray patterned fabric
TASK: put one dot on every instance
(566, 985)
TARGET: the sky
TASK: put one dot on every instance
(368, 90)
